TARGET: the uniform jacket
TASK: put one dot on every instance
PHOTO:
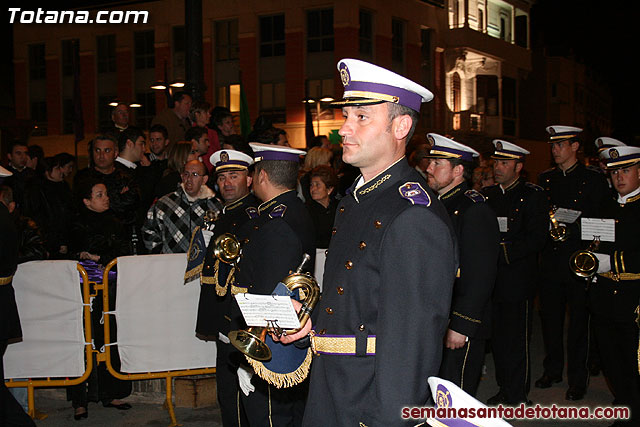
(389, 274)
(478, 236)
(172, 220)
(582, 188)
(278, 238)
(525, 208)
(617, 300)
(214, 310)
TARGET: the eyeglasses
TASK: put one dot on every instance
(186, 175)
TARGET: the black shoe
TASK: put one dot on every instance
(122, 406)
(575, 393)
(547, 381)
(497, 399)
(81, 415)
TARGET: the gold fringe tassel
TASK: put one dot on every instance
(282, 380)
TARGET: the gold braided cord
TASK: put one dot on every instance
(341, 345)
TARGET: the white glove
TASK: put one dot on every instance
(244, 379)
(604, 262)
(207, 236)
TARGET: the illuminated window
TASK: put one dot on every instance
(229, 97)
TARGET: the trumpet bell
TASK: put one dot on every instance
(251, 342)
(583, 264)
(559, 233)
(226, 248)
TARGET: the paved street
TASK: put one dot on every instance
(148, 408)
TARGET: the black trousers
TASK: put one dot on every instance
(231, 408)
(463, 366)
(511, 334)
(618, 345)
(11, 413)
(555, 297)
(276, 407)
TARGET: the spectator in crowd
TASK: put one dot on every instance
(179, 154)
(11, 413)
(119, 117)
(322, 203)
(315, 157)
(132, 160)
(320, 141)
(200, 117)
(124, 192)
(199, 139)
(99, 236)
(18, 156)
(31, 243)
(176, 119)
(238, 143)
(36, 159)
(222, 121)
(482, 177)
(173, 219)
(419, 160)
(49, 201)
(66, 162)
(158, 143)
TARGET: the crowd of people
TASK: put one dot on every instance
(432, 258)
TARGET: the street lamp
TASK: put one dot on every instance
(317, 102)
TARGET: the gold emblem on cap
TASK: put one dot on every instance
(613, 153)
(224, 156)
(499, 146)
(344, 76)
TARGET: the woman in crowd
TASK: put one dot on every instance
(97, 238)
(321, 204)
(316, 156)
(179, 155)
(49, 202)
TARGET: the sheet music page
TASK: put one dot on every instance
(605, 228)
(567, 216)
(257, 309)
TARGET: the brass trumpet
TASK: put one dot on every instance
(226, 248)
(251, 341)
(558, 232)
(584, 263)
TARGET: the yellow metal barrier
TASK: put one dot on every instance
(31, 383)
(106, 356)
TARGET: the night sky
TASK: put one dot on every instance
(604, 35)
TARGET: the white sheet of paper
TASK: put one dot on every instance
(567, 216)
(605, 228)
(257, 309)
(503, 224)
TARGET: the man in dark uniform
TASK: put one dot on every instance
(521, 208)
(450, 168)
(580, 191)
(279, 237)
(216, 293)
(614, 293)
(390, 266)
(11, 413)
